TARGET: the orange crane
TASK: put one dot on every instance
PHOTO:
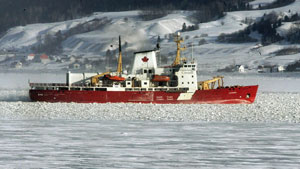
(210, 84)
(95, 79)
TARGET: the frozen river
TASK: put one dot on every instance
(58, 135)
(147, 144)
(69, 135)
(268, 108)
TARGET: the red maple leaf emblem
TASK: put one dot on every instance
(145, 59)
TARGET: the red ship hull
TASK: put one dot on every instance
(233, 95)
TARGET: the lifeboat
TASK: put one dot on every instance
(159, 78)
(114, 78)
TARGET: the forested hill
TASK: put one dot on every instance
(23, 12)
(220, 34)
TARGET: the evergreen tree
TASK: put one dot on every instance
(183, 27)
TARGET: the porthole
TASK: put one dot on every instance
(248, 96)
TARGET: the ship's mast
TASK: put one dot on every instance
(119, 69)
(178, 41)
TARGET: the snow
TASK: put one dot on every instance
(147, 144)
(141, 35)
(255, 4)
(239, 53)
(268, 107)
(121, 135)
(283, 29)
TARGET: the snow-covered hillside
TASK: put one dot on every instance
(141, 35)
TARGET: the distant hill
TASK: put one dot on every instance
(23, 12)
(249, 37)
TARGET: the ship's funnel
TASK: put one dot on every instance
(144, 60)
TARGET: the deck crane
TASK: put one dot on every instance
(119, 69)
(95, 79)
(210, 84)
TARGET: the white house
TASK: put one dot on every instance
(277, 69)
(241, 68)
(88, 66)
(281, 69)
(75, 65)
(44, 58)
(270, 69)
(30, 57)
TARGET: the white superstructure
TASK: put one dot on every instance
(143, 70)
(145, 74)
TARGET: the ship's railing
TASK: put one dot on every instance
(63, 86)
(55, 85)
(47, 84)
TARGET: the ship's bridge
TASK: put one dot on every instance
(191, 66)
(187, 76)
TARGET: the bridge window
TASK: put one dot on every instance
(101, 89)
(145, 71)
(150, 71)
(89, 89)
